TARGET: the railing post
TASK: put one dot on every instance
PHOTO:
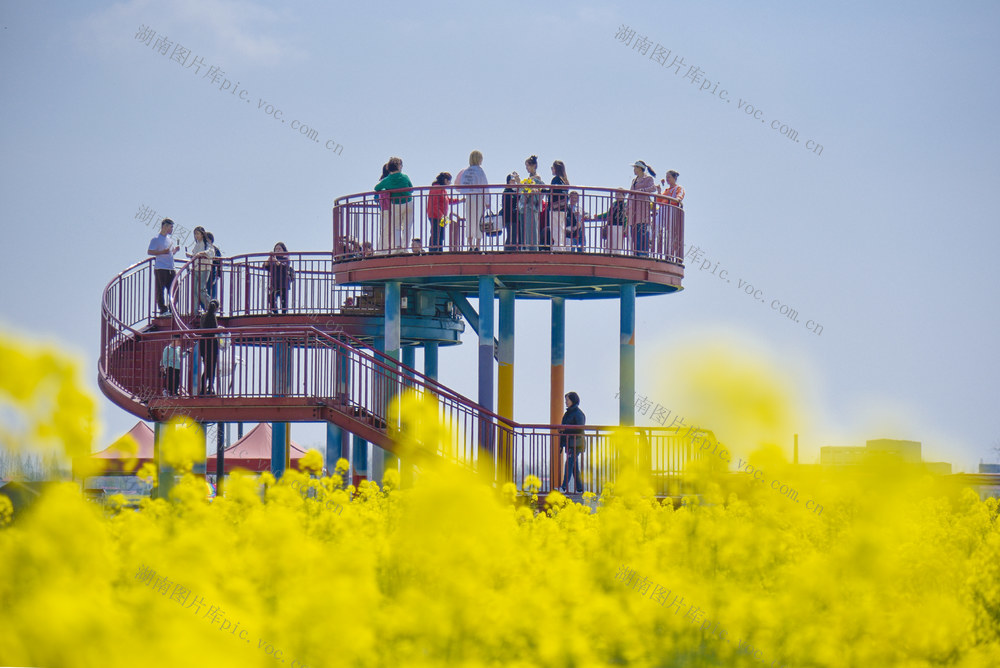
(246, 287)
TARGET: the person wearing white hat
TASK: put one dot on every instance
(639, 206)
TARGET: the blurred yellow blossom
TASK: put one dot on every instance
(312, 462)
(900, 569)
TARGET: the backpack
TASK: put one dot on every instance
(216, 263)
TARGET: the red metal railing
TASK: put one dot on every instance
(512, 218)
(257, 284)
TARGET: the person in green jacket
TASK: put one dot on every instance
(397, 230)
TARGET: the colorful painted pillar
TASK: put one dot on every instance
(557, 385)
(486, 446)
(626, 358)
(281, 373)
(505, 381)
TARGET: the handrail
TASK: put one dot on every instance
(509, 218)
(519, 186)
(247, 288)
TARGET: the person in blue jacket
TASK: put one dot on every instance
(572, 441)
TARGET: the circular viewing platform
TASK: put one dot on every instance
(576, 242)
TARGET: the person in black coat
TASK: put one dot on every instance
(572, 441)
(511, 222)
(208, 346)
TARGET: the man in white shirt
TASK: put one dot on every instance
(162, 248)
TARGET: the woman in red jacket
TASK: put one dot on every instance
(437, 210)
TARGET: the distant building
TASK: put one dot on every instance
(989, 468)
(907, 451)
(881, 449)
(831, 455)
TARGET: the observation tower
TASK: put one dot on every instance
(346, 341)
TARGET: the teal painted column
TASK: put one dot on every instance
(383, 460)
(279, 448)
(164, 473)
(359, 461)
(557, 386)
(335, 446)
(431, 359)
(486, 444)
(409, 358)
(626, 358)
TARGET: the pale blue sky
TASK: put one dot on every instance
(887, 238)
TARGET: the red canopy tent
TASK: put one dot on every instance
(253, 452)
(110, 460)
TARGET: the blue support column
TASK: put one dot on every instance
(431, 359)
(557, 385)
(335, 438)
(486, 443)
(360, 458)
(164, 473)
(279, 448)
(382, 460)
(626, 358)
(409, 357)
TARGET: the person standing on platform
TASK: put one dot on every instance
(511, 224)
(639, 206)
(616, 224)
(572, 441)
(576, 230)
(280, 276)
(171, 364)
(163, 249)
(396, 239)
(558, 205)
(476, 199)
(208, 347)
(202, 252)
(530, 205)
(672, 189)
(664, 217)
(385, 229)
(213, 277)
(438, 202)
